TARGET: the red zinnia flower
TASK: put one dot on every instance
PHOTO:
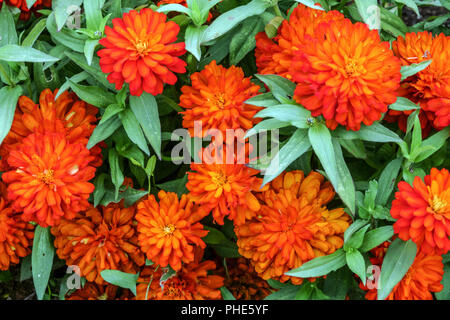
(292, 226)
(423, 277)
(66, 114)
(275, 57)
(423, 211)
(16, 236)
(216, 99)
(22, 5)
(49, 178)
(100, 239)
(169, 229)
(346, 74)
(140, 51)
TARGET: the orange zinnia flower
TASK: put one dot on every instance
(292, 226)
(16, 236)
(216, 99)
(224, 186)
(346, 74)
(169, 230)
(423, 211)
(100, 239)
(429, 87)
(140, 51)
(192, 282)
(93, 291)
(49, 178)
(423, 277)
(243, 282)
(77, 118)
(275, 57)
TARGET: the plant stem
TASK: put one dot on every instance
(277, 11)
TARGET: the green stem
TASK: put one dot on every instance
(277, 11)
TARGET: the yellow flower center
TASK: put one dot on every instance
(220, 100)
(46, 177)
(438, 205)
(218, 178)
(169, 229)
(353, 68)
(141, 47)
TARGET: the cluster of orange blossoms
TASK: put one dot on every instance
(430, 88)
(343, 71)
(48, 167)
(140, 50)
(94, 291)
(292, 225)
(100, 239)
(25, 11)
(191, 282)
(423, 212)
(423, 277)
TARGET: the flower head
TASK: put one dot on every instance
(191, 282)
(66, 114)
(93, 291)
(423, 211)
(275, 57)
(430, 87)
(49, 178)
(25, 11)
(216, 99)
(16, 236)
(292, 226)
(140, 50)
(225, 186)
(423, 277)
(243, 282)
(169, 229)
(346, 74)
(100, 239)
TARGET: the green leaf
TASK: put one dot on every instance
(8, 34)
(25, 269)
(63, 9)
(295, 115)
(104, 130)
(411, 4)
(391, 23)
(89, 49)
(387, 180)
(297, 145)
(355, 262)
(330, 155)
(286, 293)
(174, 7)
(244, 40)
(396, 263)
(356, 240)
(226, 21)
(445, 293)
(226, 249)
(320, 266)
(375, 237)
(93, 12)
(226, 294)
(131, 196)
(432, 144)
(178, 186)
(121, 279)
(310, 3)
(99, 190)
(278, 85)
(266, 125)
(66, 37)
(133, 130)
(116, 173)
(41, 259)
(214, 236)
(337, 284)
(8, 97)
(34, 33)
(15, 53)
(369, 12)
(111, 111)
(193, 39)
(355, 147)
(305, 291)
(412, 69)
(30, 3)
(355, 226)
(93, 95)
(403, 104)
(145, 109)
(263, 100)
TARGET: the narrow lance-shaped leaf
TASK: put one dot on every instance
(8, 98)
(320, 266)
(41, 259)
